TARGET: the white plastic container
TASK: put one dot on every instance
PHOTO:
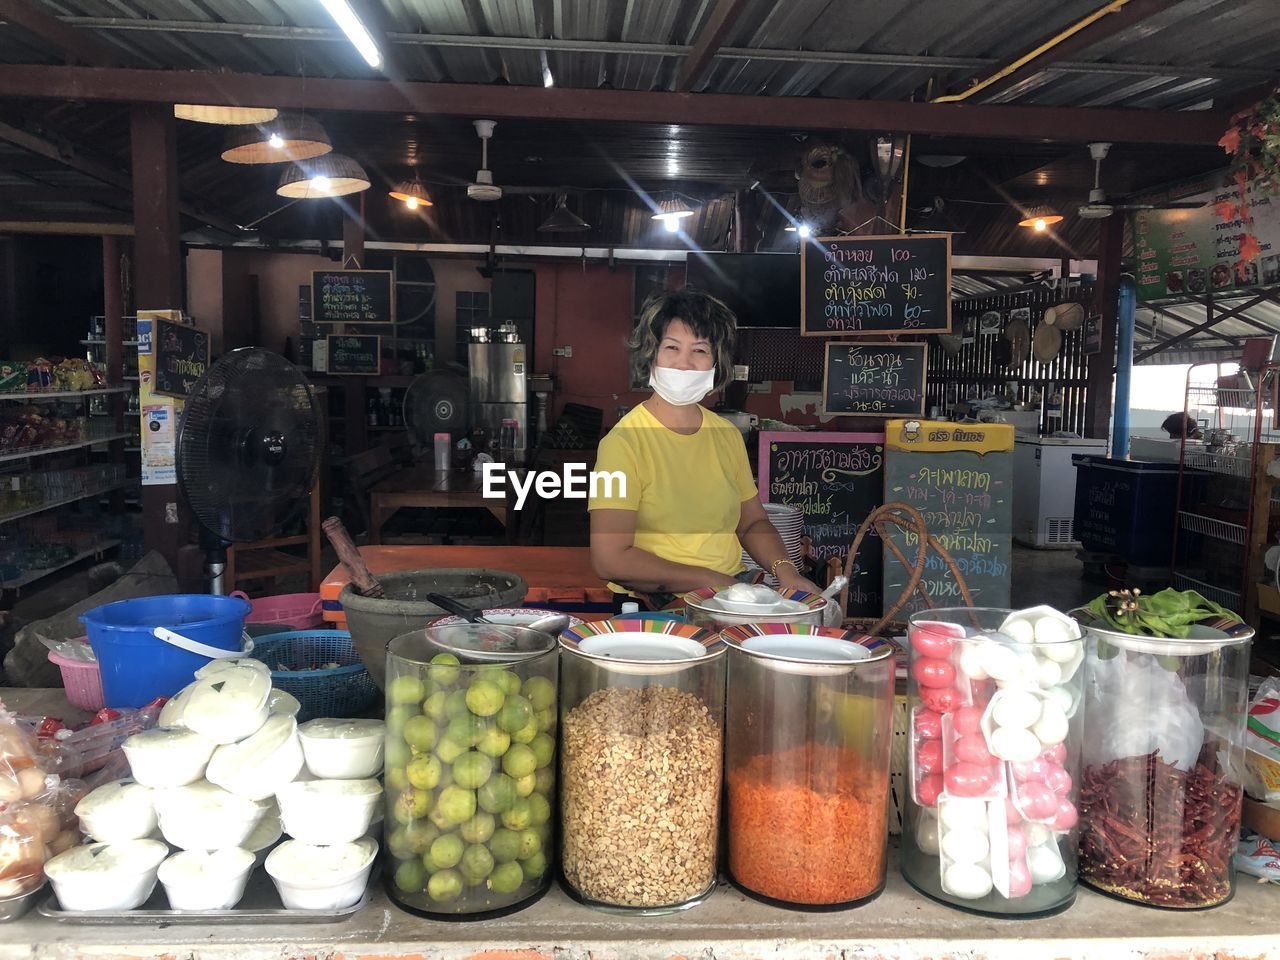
(106, 876)
(255, 768)
(203, 816)
(343, 749)
(165, 757)
(265, 836)
(321, 878)
(116, 812)
(173, 709)
(325, 812)
(284, 702)
(206, 880)
(229, 704)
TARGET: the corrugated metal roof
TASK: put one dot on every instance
(1161, 321)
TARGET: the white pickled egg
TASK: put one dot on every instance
(1072, 664)
(965, 846)
(1036, 833)
(1062, 650)
(1045, 863)
(1027, 675)
(963, 813)
(1051, 728)
(971, 658)
(1049, 630)
(1063, 698)
(999, 661)
(1015, 744)
(1048, 673)
(926, 835)
(1016, 708)
(968, 881)
(1020, 631)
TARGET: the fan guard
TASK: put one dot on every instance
(435, 402)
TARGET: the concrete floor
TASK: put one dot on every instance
(1052, 577)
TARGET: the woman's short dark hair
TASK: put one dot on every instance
(707, 317)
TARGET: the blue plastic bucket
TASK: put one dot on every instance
(137, 666)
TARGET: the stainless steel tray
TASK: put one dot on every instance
(260, 904)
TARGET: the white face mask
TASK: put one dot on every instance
(682, 387)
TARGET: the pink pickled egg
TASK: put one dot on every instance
(1056, 778)
(929, 789)
(1012, 815)
(972, 749)
(969, 779)
(928, 724)
(929, 756)
(933, 672)
(968, 721)
(1028, 770)
(1017, 845)
(931, 643)
(1037, 801)
(1065, 816)
(942, 699)
(1057, 753)
(1019, 878)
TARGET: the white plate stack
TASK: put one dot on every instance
(789, 522)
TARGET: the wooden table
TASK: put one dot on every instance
(422, 486)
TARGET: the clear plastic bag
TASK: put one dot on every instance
(1147, 709)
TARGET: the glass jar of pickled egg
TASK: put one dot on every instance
(990, 821)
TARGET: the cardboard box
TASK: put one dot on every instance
(1263, 818)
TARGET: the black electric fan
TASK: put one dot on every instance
(248, 451)
(436, 402)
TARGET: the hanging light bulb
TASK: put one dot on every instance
(412, 193)
(1040, 218)
(412, 203)
(321, 183)
(275, 140)
(671, 212)
(805, 231)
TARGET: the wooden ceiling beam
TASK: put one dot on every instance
(71, 43)
(1063, 124)
(709, 40)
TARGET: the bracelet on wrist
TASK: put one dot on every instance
(773, 567)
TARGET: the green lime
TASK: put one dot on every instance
(396, 778)
(540, 692)
(411, 876)
(520, 761)
(530, 843)
(455, 705)
(434, 707)
(419, 835)
(446, 851)
(398, 843)
(546, 719)
(405, 690)
(544, 781)
(544, 749)
(518, 816)
(397, 717)
(424, 772)
(498, 793)
(445, 885)
(505, 845)
(509, 682)
(444, 669)
(420, 733)
(472, 769)
(494, 743)
(539, 809)
(506, 878)
(440, 819)
(515, 713)
(479, 828)
(484, 698)
(526, 733)
(397, 752)
(535, 866)
(411, 805)
(466, 730)
(525, 785)
(448, 751)
(446, 778)
(477, 862)
(456, 804)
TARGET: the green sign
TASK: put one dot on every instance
(1197, 252)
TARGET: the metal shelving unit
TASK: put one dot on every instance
(31, 576)
(27, 452)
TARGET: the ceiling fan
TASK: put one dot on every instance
(483, 188)
(1099, 207)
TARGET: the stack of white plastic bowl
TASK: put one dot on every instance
(789, 522)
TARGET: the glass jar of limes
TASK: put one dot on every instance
(470, 768)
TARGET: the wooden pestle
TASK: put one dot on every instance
(362, 581)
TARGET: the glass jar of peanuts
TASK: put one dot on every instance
(642, 728)
(470, 768)
(809, 729)
(990, 822)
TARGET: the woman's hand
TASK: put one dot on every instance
(789, 579)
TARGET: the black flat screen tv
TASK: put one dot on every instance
(762, 289)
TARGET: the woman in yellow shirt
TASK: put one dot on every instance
(690, 503)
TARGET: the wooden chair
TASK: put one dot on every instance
(363, 471)
(265, 560)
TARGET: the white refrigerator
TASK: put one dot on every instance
(1044, 489)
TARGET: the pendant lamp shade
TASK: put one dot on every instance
(290, 136)
(412, 193)
(564, 220)
(1040, 218)
(333, 175)
(230, 116)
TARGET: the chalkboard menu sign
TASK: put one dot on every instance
(354, 354)
(836, 479)
(182, 357)
(874, 378)
(352, 296)
(897, 284)
(960, 478)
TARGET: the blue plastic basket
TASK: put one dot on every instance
(294, 658)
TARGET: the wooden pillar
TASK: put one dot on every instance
(157, 283)
(353, 234)
(1102, 365)
(113, 333)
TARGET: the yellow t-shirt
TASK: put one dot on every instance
(686, 489)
